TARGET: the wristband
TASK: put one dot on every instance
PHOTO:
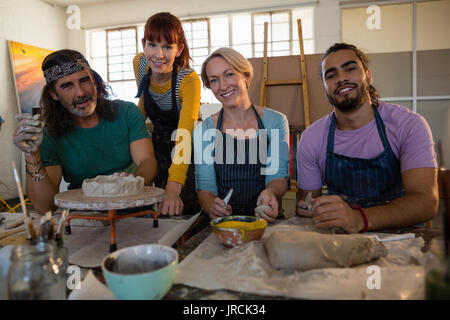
(366, 222)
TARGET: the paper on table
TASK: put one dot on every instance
(208, 267)
(91, 289)
(88, 246)
(173, 235)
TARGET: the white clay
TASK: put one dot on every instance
(107, 186)
(305, 250)
(260, 211)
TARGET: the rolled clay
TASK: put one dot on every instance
(107, 186)
(260, 211)
(305, 250)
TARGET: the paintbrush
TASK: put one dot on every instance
(28, 221)
(446, 215)
(64, 215)
(45, 224)
(51, 231)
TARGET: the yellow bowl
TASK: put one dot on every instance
(233, 231)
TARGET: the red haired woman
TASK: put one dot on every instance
(169, 94)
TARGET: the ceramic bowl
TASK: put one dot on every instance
(233, 231)
(143, 272)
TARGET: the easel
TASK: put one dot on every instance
(11, 209)
(303, 82)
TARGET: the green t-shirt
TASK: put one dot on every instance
(101, 150)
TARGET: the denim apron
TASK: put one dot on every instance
(245, 178)
(365, 182)
(165, 122)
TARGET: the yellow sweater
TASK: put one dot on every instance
(189, 95)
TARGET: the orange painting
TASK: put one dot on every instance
(26, 62)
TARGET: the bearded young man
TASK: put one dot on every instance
(376, 159)
(84, 133)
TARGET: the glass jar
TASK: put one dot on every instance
(437, 276)
(37, 272)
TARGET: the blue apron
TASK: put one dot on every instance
(365, 182)
(245, 178)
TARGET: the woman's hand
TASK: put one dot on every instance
(172, 204)
(219, 210)
(268, 198)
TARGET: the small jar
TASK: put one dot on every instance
(37, 273)
(437, 276)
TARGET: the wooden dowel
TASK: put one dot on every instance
(304, 78)
(262, 92)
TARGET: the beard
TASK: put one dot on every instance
(350, 104)
(74, 111)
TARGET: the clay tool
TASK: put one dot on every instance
(9, 233)
(308, 201)
(15, 224)
(227, 198)
(396, 237)
(28, 222)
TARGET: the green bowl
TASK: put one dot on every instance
(143, 272)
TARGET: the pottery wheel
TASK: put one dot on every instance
(75, 199)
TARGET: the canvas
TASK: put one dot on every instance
(26, 64)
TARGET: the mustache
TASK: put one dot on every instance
(81, 100)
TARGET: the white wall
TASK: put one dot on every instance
(31, 22)
(129, 12)
(327, 22)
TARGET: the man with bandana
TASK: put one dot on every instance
(376, 159)
(84, 134)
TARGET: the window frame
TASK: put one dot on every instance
(107, 31)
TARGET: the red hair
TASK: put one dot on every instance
(165, 25)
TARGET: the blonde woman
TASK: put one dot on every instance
(250, 152)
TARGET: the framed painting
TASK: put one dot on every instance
(26, 64)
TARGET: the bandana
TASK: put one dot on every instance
(65, 69)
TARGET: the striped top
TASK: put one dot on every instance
(188, 102)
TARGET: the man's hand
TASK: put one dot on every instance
(332, 211)
(219, 210)
(172, 203)
(304, 208)
(268, 198)
(28, 135)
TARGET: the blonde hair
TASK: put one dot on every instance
(234, 58)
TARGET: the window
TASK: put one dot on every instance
(121, 47)
(112, 51)
(278, 35)
(198, 39)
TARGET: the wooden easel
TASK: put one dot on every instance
(303, 82)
